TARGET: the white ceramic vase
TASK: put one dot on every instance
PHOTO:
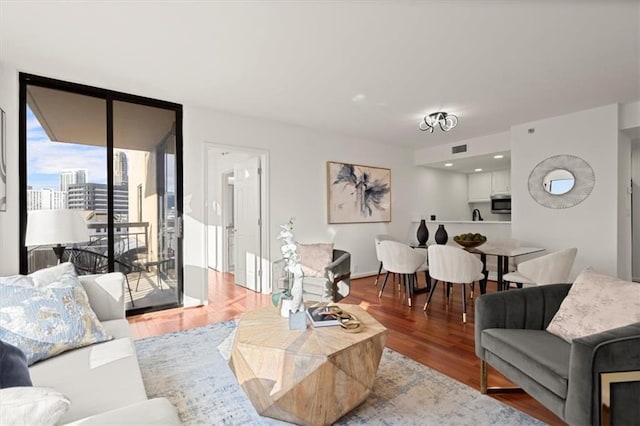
(296, 294)
(285, 307)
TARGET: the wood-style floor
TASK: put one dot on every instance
(438, 340)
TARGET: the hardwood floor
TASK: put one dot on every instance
(438, 340)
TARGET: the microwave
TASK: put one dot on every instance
(501, 204)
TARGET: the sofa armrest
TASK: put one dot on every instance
(106, 294)
(157, 411)
(528, 308)
(615, 350)
(340, 266)
(338, 273)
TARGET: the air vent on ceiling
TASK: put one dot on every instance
(458, 149)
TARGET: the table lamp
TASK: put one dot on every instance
(57, 228)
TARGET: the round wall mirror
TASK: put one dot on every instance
(558, 182)
(561, 181)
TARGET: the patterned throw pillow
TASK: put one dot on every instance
(596, 303)
(314, 258)
(44, 319)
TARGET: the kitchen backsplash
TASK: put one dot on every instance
(485, 212)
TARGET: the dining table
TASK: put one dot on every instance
(503, 252)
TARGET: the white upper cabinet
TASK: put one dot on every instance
(500, 182)
(479, 187)
(482, 186)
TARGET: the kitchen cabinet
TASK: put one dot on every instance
(500, 182)
(479, 187)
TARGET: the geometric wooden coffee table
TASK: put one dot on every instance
(312, 376)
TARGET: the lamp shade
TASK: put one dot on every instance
(48, 227)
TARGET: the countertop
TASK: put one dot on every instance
(477, 222)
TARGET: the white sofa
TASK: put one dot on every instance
(103, 381)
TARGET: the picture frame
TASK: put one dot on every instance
(3, 161)
(358, 193)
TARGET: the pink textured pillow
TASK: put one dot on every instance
(314, 258)
(595, 303)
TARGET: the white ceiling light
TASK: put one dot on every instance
(498, 156)
(478, 170)
(442, 119)
(448, 164)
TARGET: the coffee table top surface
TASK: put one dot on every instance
(267, 329)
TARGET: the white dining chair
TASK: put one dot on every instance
(400, 258)
(450, 264)
(424, 267)
(552, 268)
(377, 239)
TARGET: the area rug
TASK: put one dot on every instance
(189, 368)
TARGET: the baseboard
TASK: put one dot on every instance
(636, 279)
(364, 274)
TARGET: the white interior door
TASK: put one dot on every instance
(247, 223)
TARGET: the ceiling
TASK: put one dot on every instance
(487, 163)
(369, 70)
(73, 118)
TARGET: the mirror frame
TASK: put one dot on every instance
(582, 172)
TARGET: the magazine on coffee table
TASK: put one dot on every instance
(322, 316)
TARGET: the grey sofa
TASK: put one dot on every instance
(566, 378)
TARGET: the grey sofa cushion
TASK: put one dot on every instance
(536, 353)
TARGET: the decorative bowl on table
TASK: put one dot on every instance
(470, 240)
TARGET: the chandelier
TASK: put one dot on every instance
(442, 119)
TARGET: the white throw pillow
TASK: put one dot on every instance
(314, 258)
(596, 303)
(31, 406)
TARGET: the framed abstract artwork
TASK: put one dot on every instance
(357, 193)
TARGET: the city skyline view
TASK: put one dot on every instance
(47, 158)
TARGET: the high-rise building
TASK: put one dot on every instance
(120, 168)
(93, 196)
(46, 199)
(73, 177)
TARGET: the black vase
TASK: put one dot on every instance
(441, 236)
(423, 233)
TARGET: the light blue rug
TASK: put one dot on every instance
(189, 368)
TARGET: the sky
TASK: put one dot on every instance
(46, 158)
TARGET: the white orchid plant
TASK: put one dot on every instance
(289, 250)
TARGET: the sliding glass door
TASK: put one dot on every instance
(145, 165)
(116, 160)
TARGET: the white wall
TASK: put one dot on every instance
(591, 226)
(9, 220)
(437, 192)
(635, 170)
(297, 182)
(624, 207)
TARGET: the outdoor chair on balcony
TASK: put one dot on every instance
(90, 262)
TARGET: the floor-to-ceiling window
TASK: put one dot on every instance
(115, 160)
